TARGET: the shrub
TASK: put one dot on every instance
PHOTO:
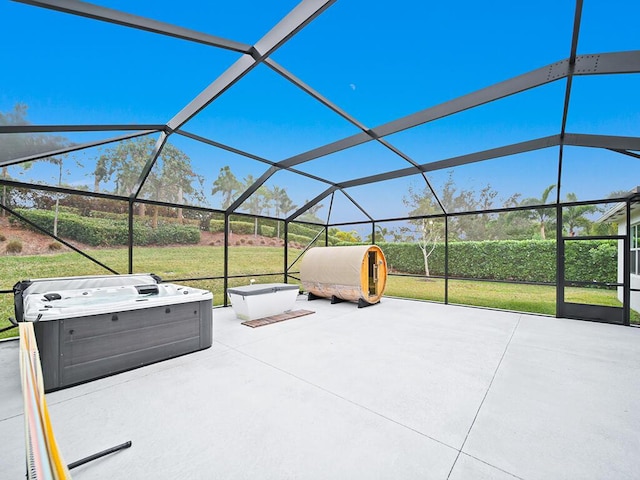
(517, 260)
(14, 246)
(109, 232)
(266, 230)
(242, 228)
(54, 246)
(305, 240)
(216, 226)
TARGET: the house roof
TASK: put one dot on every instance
(617, 213)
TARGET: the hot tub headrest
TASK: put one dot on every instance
(147, 289)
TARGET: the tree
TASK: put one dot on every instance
(18, 145)
(174, 180)
(227, 185)
(282, 204)
(170, 180)
(123, 164)
(257, 202)
(381, 234)
(541, 215)
(351, 237)
(607, 228)
(311, 215)
(573, 217)
(426, 232)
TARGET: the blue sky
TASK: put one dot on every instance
(377, 60)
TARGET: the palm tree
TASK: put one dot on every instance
(541, 215)
(282, 204)
(257, 202)
(311, 215)
(573, 217)
(382, 232)
(226, 184)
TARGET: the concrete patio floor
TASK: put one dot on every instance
(401, 390)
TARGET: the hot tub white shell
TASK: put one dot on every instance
(102, 325)
(251, 302)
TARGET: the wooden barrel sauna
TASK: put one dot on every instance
(352, 273)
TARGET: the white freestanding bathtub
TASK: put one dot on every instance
(251, 302)
(90, 327)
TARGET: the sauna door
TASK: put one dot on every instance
(373, 272)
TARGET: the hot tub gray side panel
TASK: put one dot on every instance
(48, 336)
(91, 347)
(206, 324)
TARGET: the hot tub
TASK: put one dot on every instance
(90, 327)
(260, 300)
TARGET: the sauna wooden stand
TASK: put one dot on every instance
(361, 303)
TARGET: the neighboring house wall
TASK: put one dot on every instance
(635, 277)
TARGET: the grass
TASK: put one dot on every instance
(506, 296)
(208, 261)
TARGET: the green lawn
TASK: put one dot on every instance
(208, 261)
(506, 296)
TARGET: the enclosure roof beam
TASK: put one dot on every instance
(608, 63)
(237, 151)
(229, 77)
(60, 189)
(506, 150)
(311, 203)
(77, 128)
(604, 63)
(72, 148)
(292, 23)
(104, 14)
(357, 205)
(509, 87)
(602, 141)
(222, 146)
(298, 18)
(567, 96)
(280, 70)
(626, 152)
(328, 149)
(327, 103)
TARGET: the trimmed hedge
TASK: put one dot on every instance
(297, 233)
(109, 232)
(518, 260)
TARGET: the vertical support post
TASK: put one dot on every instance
(446, 259)
(225, 283)
(373, 233)
(130, 236)
(326, 235)
(626, 269)
(559, 263)
(286, 252)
